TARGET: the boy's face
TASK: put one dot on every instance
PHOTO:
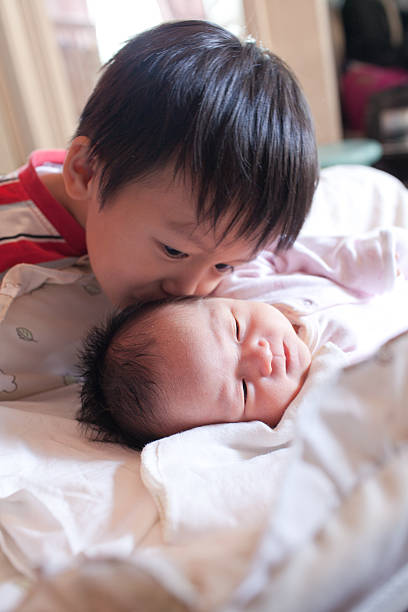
(228, 361)
(146, 243)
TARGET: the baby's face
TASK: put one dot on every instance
(228, 361)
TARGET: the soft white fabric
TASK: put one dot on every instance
(235, 470)
(364, 306)
(350, 469)
(336, 532)
(69, 497)
(341, 326)
(44, 313)
(60, 494)
(354, 199)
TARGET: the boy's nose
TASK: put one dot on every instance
(257, 357)
(189, 285)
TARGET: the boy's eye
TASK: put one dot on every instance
(174, 253)
(245, 390)
(224, 268)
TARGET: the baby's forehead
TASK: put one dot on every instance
(186, 323)
(174, 317)
(185, 309)
(176, 322)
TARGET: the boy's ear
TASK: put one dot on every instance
(77, 171)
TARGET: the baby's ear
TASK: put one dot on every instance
(77, 170)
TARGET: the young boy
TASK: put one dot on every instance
(193, 152)
(177, 363)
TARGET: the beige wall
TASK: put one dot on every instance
(299, 32)
(35, 104)
(36, 108)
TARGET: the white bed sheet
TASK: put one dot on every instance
(60, 494)
(349, 461)
(62, 497)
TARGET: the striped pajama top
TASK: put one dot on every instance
(34, 227)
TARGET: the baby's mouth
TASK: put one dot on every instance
(287, 356)
(280, 361)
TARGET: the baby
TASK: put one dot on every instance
(178, 363)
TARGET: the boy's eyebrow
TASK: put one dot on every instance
(187, 229)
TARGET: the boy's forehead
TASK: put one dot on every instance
(168, 201)
(208, 238)
(183, 214)
(205, 234)
(190, 229)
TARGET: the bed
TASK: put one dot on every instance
(312, 516)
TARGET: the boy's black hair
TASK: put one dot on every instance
(228, 114)
(121, 394)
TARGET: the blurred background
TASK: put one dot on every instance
(349, 56)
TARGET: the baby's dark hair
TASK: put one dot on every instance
(228, 114)
(121, 396)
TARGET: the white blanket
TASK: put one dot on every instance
(62, 496)
(233, 468)
(335, 536)
(236, 472)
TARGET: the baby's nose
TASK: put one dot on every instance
(259, 358)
